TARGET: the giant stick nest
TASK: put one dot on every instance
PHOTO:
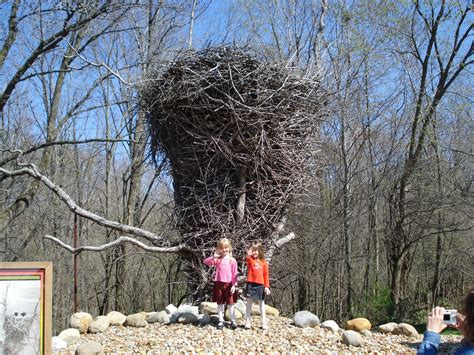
(237, 131)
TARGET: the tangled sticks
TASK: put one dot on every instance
(235, 130)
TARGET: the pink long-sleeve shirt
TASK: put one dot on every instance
(226, 269)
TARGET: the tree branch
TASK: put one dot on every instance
(43, 47)
(278, 244)
(78, 250)
(34, 173)
(12, 31)
(19, 153)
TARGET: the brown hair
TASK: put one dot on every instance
(259, 247)
(224, 242)
(468, 323)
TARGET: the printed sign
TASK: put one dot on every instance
(25, 308)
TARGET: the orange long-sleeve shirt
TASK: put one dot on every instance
(257, 271)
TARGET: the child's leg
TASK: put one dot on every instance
(263, 315)
(220, 312)
(248, 312)
(232, 312)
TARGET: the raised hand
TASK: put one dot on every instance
(435, 320)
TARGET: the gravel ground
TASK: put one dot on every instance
(281, 337)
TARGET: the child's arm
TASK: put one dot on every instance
(249, 254)
(233, 274)
(212, 260)
(266, 278)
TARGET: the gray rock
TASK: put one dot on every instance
(187, 308)
(405, 329)
(80, 321)
(158, 317)
(331, 325)
(188, 318)
(387, 328)
(99, 324)
(116, 318)
(353, 338)
(92, 348)
(366, 333)
(214, 318)
(174, 317)
(170, 309)
(58, 344)
(305, 319)
(136, 320)
(204, 319)
(152, 317)
(70, 335)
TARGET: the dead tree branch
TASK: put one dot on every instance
(32, 171)
(123, 239)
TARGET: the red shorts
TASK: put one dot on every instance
(222, 293)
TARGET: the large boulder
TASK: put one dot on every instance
(58, 344)
(187, 308)
(170, 309)
(204, 319)
(331, 325)
(70, 335)
(208, 308)
(240, 306)
(158, 317)
(353, 338)
(188, 318)
(358, 324)
(271, 311)
(116, 318)
(184, 308)
(305, 319)
(136, 320)
(238, 315)
(99, 324)
(214, 318)
(387, 327)
(80, 321)
(405, 329)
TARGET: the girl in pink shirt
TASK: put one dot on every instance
(225, 280)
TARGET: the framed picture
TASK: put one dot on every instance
(25, 307)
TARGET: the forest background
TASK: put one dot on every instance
(384, 229)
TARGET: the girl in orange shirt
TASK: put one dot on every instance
(258, 284)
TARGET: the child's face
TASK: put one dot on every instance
(254, 253)
(224, 250)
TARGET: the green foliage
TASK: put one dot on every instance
(376, 306)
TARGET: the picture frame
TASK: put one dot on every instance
(25, 307)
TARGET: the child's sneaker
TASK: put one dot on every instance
(220, 325)
(233, 325)
(264, 326)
